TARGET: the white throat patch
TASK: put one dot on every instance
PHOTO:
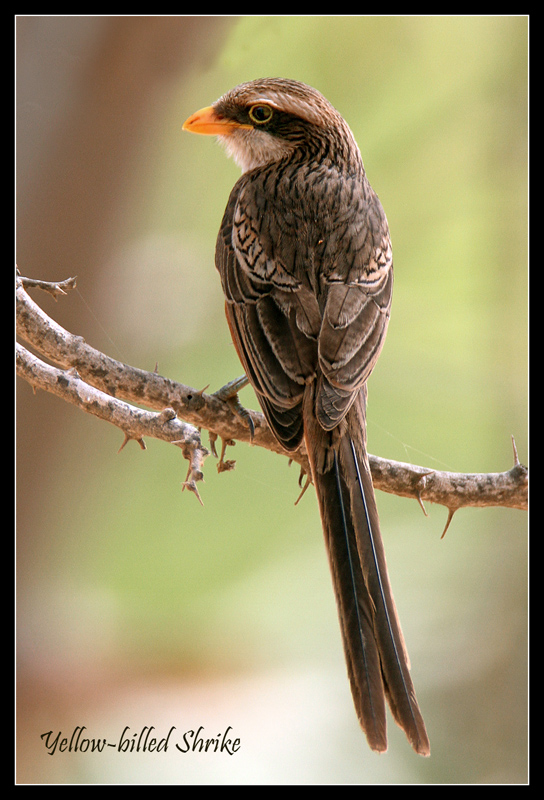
(252, 148)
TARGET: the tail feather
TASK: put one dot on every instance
(394, 659)
(356, 615)
(376, 656)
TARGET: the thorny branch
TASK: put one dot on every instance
(109, 389)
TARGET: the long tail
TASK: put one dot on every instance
(377, 661)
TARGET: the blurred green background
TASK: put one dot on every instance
(137, 606)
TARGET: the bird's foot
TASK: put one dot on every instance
(229, 395)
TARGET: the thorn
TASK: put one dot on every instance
(516, 459)
(422, 480)
(307, 483)
(191, 486)
(451, 512)
(128, 438)
(212, 438)
(125, 442)
(190, 483)
(302, 474)
(420, 501)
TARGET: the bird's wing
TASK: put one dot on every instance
(273, 317)
(305, 304)
(355, 320)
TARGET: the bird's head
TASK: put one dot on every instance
(269, 119)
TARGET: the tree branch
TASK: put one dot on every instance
(134, 422)
(107, 388)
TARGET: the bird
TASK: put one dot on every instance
(305, 261)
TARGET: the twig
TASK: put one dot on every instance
(134, 422)
(95, 382)
(54, 288)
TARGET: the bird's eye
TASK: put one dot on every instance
(260, 114)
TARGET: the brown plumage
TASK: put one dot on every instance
(305, 261)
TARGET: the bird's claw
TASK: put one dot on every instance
(229, 395)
